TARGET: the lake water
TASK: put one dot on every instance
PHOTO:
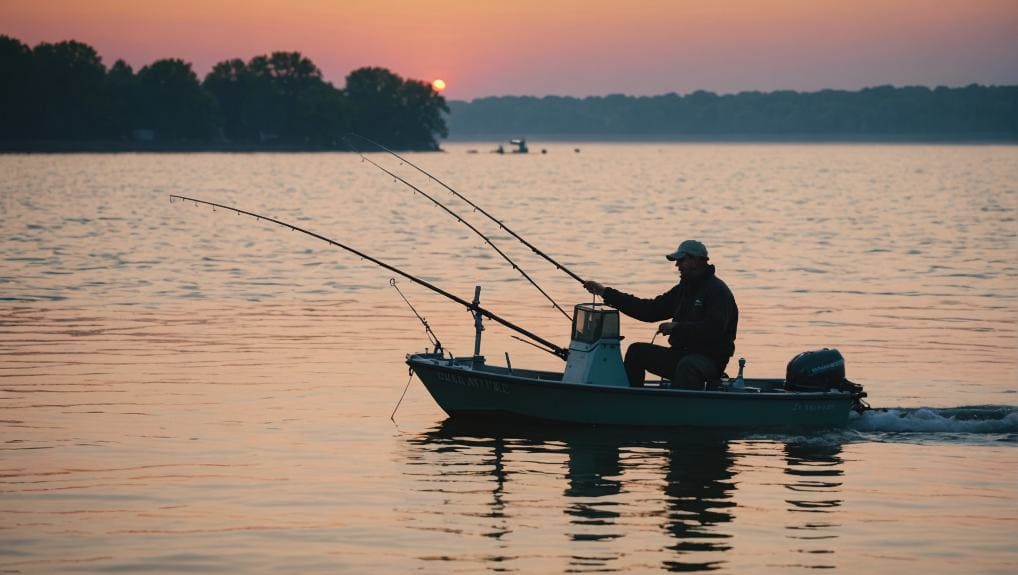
(185, 390)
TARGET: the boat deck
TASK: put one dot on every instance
(750, 385)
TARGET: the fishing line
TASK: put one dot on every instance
(473, 307)
(392, 416)
(427, 328)
(397, 178)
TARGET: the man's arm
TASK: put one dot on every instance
(657, 309)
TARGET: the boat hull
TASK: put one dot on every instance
(465, 390)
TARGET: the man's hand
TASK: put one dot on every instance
(594, 288)
(666, 328)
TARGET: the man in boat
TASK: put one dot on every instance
(701, 332)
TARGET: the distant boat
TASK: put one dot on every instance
(521, 146)
(520, 143)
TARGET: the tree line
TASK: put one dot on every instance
(63, 92)
(972, 112)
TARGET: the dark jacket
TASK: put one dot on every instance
(705, 311)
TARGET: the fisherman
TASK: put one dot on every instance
(701, 333)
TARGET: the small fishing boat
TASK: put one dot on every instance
(593, 388)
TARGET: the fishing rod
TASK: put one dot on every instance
(473, 307)
(472, 204)
(472, 228)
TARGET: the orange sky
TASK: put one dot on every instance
(565, 47)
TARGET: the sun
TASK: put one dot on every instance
(438, 85)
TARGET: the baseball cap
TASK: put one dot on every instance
(689, 248)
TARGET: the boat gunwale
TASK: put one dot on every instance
(449, 366)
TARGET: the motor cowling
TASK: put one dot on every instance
(818, 370)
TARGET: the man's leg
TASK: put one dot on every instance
(642, 357)
(693, 370)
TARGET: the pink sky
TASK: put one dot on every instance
(563, 47)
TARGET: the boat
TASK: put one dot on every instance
(593, 388)
(521, 147)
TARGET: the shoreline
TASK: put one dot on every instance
(979, 139)
(110, 146)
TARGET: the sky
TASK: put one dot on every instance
(561, 47)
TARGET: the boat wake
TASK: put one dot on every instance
(991, 419)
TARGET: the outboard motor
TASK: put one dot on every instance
(818, 370)
(594, 354)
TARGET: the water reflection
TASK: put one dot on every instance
(598, 499)
(815, 470)
(594, 472)
(699, 487)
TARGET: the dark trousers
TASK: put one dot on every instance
(685, 370)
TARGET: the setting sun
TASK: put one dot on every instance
(438, 85)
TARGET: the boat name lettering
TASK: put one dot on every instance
(812, 407)
(474, 382)
(838, 364)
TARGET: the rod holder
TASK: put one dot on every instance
(739, 380)
(478, 326)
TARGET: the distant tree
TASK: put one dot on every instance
(321, 115)
(63, 91)
(173, 103)
(233, 86)
(124, 92)
(301, 98)
(290, 71)
(278, 79)
(402, 114)
(67, 91)
(280, 97)
(16, 63)
(915, 112)
(374, 101)
(420, 120)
